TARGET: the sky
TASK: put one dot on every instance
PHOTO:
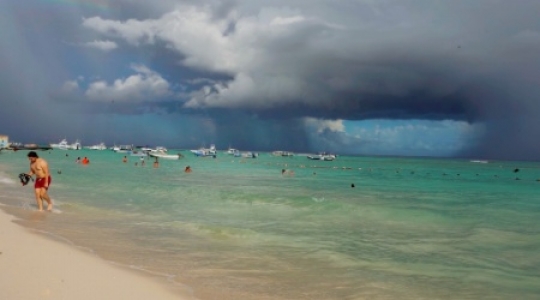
(454, 78)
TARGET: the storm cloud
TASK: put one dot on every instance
(280, 66)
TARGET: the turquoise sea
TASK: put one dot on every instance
(410, 228)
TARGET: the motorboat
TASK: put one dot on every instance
(480, 161)
(63, 145)
(138, 152)
(75, 146)
(282, 153)
(205, 151)
(100, 146)
(122, 148)
(19, 146)
(249, 155)
(322, 156)
(164, 155)
(232, 151)
(156, 149)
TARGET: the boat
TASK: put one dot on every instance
(63, 145)
(100, 146)
(19, 146)
(164, 155)
(322, 156)
(205, 151)
(138, 152)
(232, 151)
(156, 149)
(249, 155)
(282, 153)
(75, 146)
(122, 148)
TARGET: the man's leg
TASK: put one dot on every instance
(39, 202)
(45, 196)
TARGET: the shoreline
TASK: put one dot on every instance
(36, 267)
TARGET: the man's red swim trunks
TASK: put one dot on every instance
(40, 182)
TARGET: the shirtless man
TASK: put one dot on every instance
(40, 168)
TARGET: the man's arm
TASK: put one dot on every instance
(30, 173)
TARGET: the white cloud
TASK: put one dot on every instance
(287, 20)
(260, 54)
(102, 45)
(143, 86)
(325, 125)
(69, 87)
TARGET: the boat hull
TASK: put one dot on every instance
(166, 156)
(322, 157)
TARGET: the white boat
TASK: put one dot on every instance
(232, 151)
(282, 153)
(322, 156)
(63, 145)
(75, 146)
(138, 152)
(205, 151)
(164, 155)
(100, 146)
(250, 155)
(122, 148)
(157, 149)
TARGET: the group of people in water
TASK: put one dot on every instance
(39, 168)
(83, 161)
(142, 161)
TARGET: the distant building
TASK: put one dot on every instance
(4, 141)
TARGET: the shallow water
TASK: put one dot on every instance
(237, 229)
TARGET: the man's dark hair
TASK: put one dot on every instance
(32, 154)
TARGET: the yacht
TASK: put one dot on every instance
(137, 152)
(158, 149)
(250, 155)
(322, 156)
(205, 151)
(75, 146)
(100, 146)
(122, 148)
(282, 153)
(232, 151)
(63, 145)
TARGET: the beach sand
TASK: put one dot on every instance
(33, 266)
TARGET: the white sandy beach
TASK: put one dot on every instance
(33, 266)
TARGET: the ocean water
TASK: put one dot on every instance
(410, 228)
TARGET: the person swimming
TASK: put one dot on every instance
(287, 172)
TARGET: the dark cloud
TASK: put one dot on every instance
(232, 63)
